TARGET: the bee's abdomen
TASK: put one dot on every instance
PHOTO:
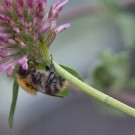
(36, 78)
(55, 85)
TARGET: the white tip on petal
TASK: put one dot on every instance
(62, 28)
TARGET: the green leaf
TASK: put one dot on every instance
(39, 65)
(65, 92)
(112, 71)
(73, 72)
(112, 5)
(13, 104)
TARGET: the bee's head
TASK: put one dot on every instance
(23, 72)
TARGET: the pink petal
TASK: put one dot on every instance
(59, 7)
(44, 28)
(8, 5)
(25, 66)
(56, 4)
(7, 40)
(7, 64)
(19, 3)
(31, 4)
(2, 9)
(7, 20)
(24, 62)
(3, 29)
(62, 28)
(39, 12)
(16, 30)
(10, 71)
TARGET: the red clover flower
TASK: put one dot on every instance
(23, 25)
(26, 31)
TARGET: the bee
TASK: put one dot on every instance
(46, 81)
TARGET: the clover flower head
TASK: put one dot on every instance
(23, 25)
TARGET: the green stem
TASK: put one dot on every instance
(93, 92)
(86, 88)
(45, 52)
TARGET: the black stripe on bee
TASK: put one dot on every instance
(46, 81)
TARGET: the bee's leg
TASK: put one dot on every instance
(50, 78)
(51, 74)
(54, 95)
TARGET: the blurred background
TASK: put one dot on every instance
(100, 45)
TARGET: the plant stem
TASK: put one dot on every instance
(93, 92)
(45, 52)
(86, 88)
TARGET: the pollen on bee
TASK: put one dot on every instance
(26, 85)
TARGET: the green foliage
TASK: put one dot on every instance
(112, 5)
(13, 104)
(73, 72)
(102, 77)
(65, 92)
(39, 65)
(111, 72)
(126, 23)
(124, 20)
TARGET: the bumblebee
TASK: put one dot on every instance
(45, 81)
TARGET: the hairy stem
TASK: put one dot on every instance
(93, 92)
